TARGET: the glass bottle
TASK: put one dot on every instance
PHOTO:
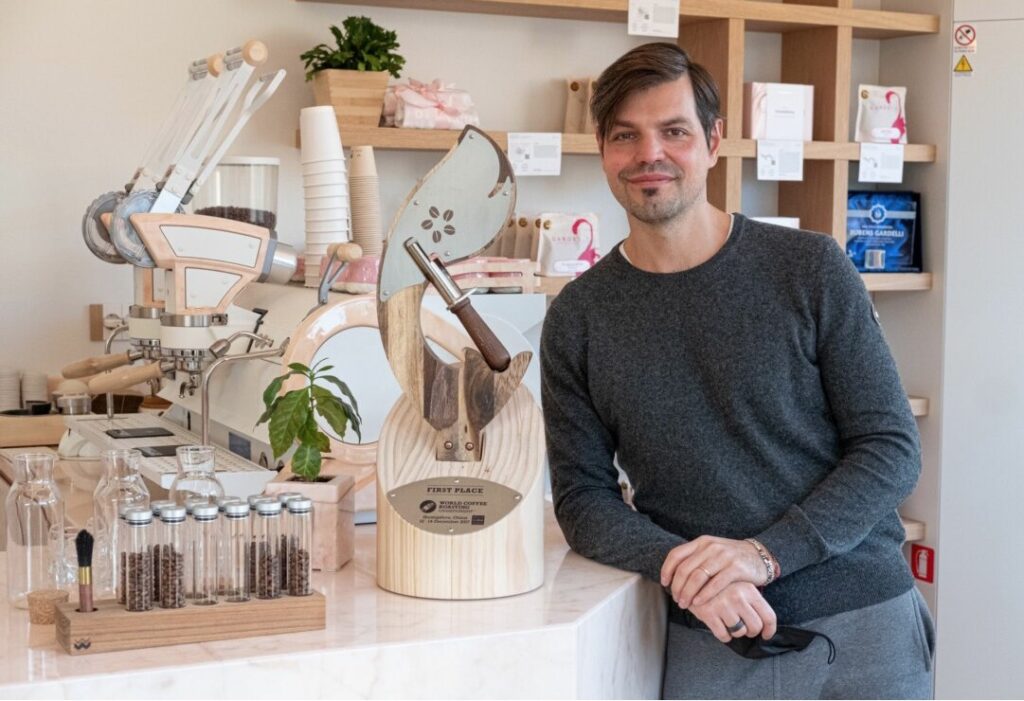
(284, 498)
(236, 551)
(196, 475)
(33, 506)
(121, 484)
(139, 560)
(253, 500)
(120, 532)
(267, 530)
(157, 542)
(222, 566)
(205, 546)
(300, 542)
(172, 557)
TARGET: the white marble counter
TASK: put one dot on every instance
(590, 632)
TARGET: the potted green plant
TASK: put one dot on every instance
(353, 76)
(293, 402)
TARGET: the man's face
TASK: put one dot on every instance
(656, 157)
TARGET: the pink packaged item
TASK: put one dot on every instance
(567, 244)
(434, 105)
(881, 115)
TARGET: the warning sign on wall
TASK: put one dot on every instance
(965, 39)
(963, 67)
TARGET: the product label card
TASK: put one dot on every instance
(881, 163)
(780, 160)
(453, 505)
(654, 18)
(784, 112)
(535, 153)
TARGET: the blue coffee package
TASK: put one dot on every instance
(883, 231)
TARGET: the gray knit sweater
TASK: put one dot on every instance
(751, 396)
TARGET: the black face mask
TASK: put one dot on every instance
(786, 639)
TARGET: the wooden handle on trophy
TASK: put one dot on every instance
(125, 378)
(493, 351)
(94, 365)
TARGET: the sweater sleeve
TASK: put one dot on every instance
(584, 482)
(880, 446)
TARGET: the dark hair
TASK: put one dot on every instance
(645, 67)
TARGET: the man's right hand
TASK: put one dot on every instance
(740, 601)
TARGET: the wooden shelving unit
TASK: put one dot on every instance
(585, 144)
(916, 530)
(758, 16)
(875, 282)
(919, 406)
(817, 49)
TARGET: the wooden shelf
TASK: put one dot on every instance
(918, 406)
(388, 138)
(897, 282)
(916, 530)
(875, 282)
(757, 15)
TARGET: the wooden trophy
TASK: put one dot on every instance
(460, 457)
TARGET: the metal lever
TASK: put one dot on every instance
(271, 353)
(493, 351)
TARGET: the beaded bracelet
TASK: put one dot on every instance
(766, 559)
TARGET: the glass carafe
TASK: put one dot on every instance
(196, 476)
(34, 506)
(121, 485)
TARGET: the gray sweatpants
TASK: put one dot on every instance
(882, 651)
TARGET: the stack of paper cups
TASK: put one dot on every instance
(10, 389)
(365, 188)
(325, 185)
(34, 387)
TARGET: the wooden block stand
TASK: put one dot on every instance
(110, 627)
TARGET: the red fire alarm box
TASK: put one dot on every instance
(922, 563)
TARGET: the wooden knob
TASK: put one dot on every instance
(91, 366)
(346, 252)
(493, 351)
(125, 378)
(215, 64)
(255, 52)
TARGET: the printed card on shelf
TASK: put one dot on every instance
(535, 153)
(780, 160)
(881, 163)
(654, 18)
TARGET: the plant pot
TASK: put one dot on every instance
(333, 516)
(357, 96)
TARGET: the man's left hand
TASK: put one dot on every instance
(699, 570)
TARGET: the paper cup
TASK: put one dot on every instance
(330, 225)
(332, 166)
(319, 134)
(326, 239)
(324, 179)
(315, 215)
(329, 204)
(363, 164)
(326, 191)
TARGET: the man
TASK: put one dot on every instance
(738, 373)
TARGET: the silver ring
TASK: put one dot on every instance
(706, 572)
(736, 627)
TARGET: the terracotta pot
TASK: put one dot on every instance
(357, 96)
(333, 516)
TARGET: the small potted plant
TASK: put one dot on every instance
(292, 416)
(353, 76)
